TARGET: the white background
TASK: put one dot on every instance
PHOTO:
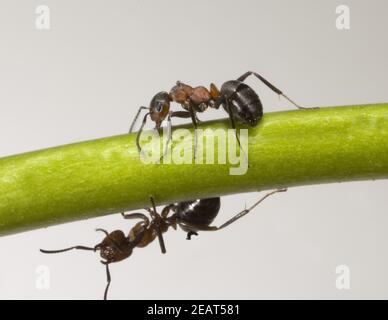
(85, 79)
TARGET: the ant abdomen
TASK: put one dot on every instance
(244, 102)
(200, 212)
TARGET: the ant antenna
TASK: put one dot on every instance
(108, 279)
(137, 117)
(140, 131)
(68, 249)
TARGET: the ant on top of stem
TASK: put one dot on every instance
(239, 100)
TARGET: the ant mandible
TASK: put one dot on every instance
(192, 216)
(240, 101)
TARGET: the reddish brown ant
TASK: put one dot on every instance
(191, 216)
(240, 101)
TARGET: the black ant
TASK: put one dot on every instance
(240, 101)
(191, 216)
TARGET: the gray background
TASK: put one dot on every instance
(85, 78)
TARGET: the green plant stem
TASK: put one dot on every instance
(104, 176)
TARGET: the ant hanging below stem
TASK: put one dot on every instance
(191, 216)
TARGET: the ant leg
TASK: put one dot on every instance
(232, 122)
(169, 136)
(161, 241)
(181, 114)
(177, 114)
(166, 210)
(171, 221)
(156, 216)
(153, 212)
(230, 221)
(136, 117)
(246, 211)
(233, 125)
(135, 216)
(104, 231)
(140, 131)
(108, 280)
(67, 249)
(146, 221)
(201, 108)
(190, 234)
(271, 86)
(195, 124)
(192, 227)
(193, 116)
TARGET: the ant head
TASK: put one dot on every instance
(159, 108)
(115, 247)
